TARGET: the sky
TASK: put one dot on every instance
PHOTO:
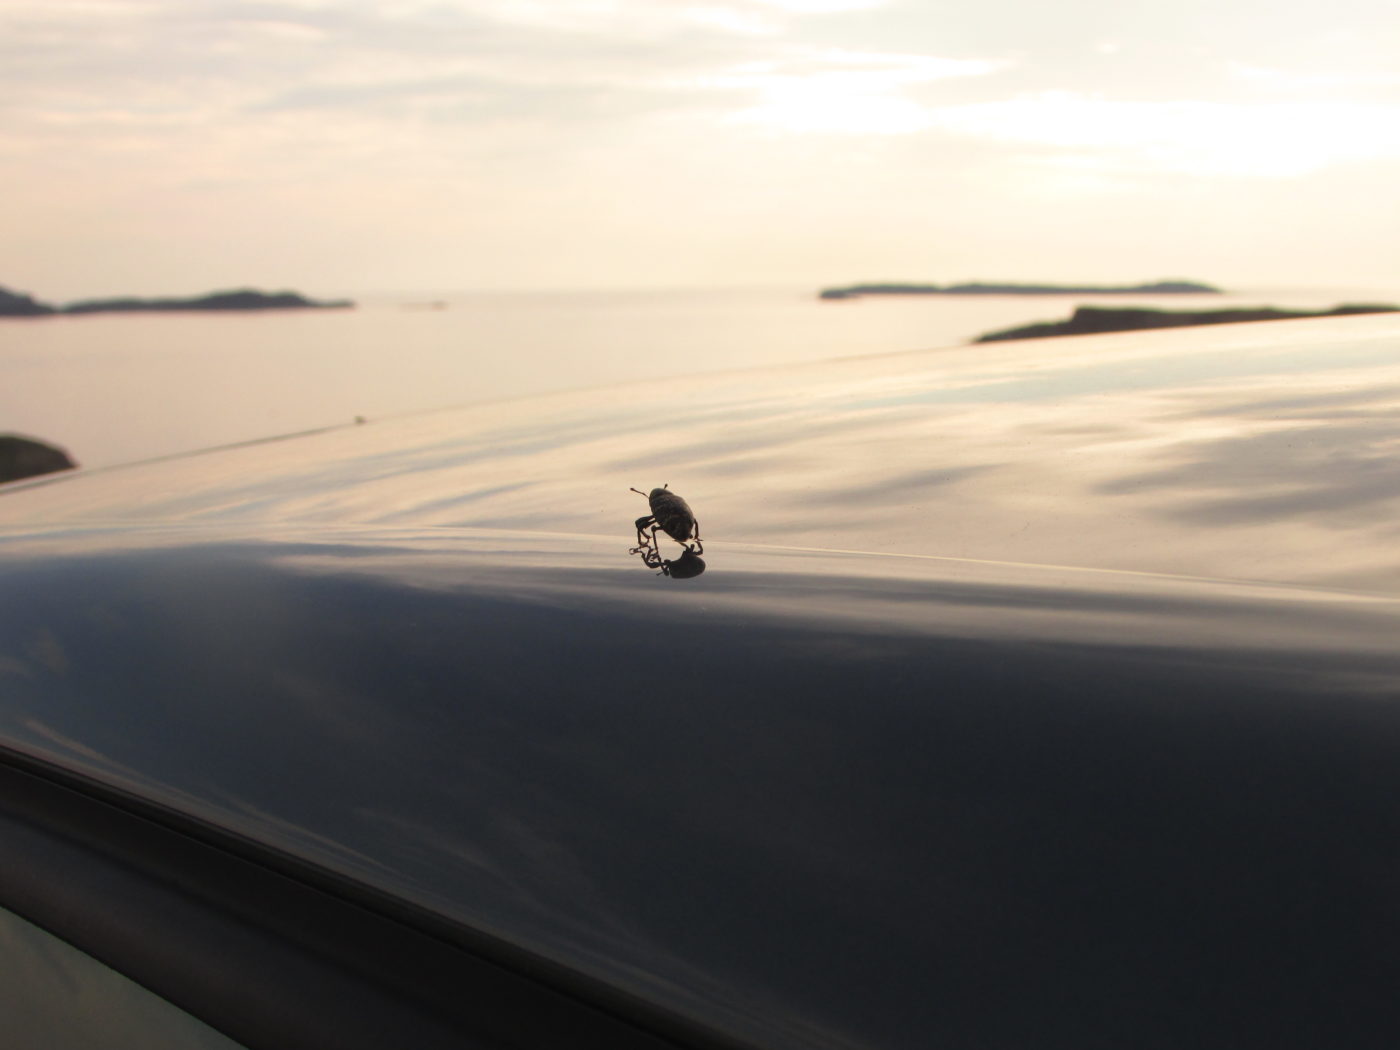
(177, 146)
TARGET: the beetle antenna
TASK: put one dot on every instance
(639, 492)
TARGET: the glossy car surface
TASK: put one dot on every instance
(1038, 695)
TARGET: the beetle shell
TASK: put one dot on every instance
(672, 514)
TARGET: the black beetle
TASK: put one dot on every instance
(672, 515)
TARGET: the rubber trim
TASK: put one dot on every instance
(277, 954)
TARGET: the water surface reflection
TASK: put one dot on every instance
(1216, 452)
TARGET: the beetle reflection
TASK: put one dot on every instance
(672, 515)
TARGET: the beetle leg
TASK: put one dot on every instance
(642, 523)
(646, 546)
(699, 547)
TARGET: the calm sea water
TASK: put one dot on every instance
(114, 388)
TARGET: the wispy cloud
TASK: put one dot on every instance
(1314, 82)
(1270, 139)
(616, 119)
(847, 92)
(129, 76)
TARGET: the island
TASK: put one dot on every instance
(1169, 287)
(17, 304)
(27, 457)
(1092, 320)
(14, 304)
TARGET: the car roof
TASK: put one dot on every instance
(848, 787)
(804, 799)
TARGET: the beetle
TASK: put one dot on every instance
(673, 516)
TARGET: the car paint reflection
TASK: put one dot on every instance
(815, 799)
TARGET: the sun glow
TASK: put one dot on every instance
(845, 92)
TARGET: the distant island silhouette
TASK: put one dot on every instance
(1171, 287)
(19, 304)
(1091, 320)
(27, 457)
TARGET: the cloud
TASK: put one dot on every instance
(1269, 139)
(1313, 83)
(221, 59)
(838, 91)
(821, 7)
(563, 131)
(84, 76)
